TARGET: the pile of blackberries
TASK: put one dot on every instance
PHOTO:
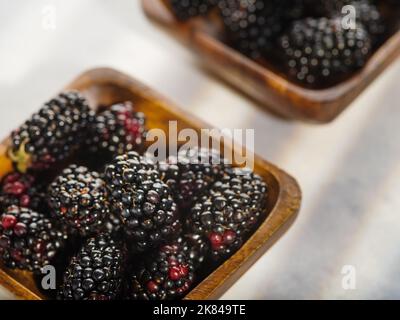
(307, 38)
(122, 228)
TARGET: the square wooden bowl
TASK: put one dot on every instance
(263, 83)
(107, 86)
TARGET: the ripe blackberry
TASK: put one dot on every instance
(318, 50)
(78, 198)
(21, 190)
(117, 130)
(96, 272)
(142, 201)
(370, 17)
(229, 211)
(191, 173)
(367, 13)
(51, 134)
(28, 240)
(252, 26)
(186, 9)
(168, 273)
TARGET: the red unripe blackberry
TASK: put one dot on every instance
(28, 240)
(117, 130)
(142, 201)
(78, 198)
(52, 134)
(21, 190)
(229, 211)
(96, 272)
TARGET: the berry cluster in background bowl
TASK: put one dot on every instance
(305, 40)
(84, 198)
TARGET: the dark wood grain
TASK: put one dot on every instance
(263, 84)
(107, 86)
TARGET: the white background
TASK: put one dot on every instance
(349, 170)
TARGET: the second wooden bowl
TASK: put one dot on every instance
(262, 83)
(104, 87)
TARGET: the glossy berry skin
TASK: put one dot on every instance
(186, 9)
(229, 211)
(96, 272)
(78, 198)
(169, 272)
(28, 240)
(52, 134)
(142, 201)
(319, 51)
(191, 173)
(21, 190)
(117, 130)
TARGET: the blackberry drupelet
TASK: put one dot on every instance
(186, 9)
(117, 130)
(78, 198)
(22, 190)
(191, 173)
(229, 211)
(142, 201)
(317, 51)
(28, 240)
(96, 272)
(51, 134)
(114, 226)
(253, 26)
(168, 273)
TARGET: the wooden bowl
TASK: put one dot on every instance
(263, 83)
(107, 86)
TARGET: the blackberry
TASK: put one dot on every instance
(367, 13)
(186, 9)
(118, 129)
(96, 272)
(370, 17)
(28, 240)
(168, 273)
(252, 26)
(191, 173)
(78, 198)
(318, 50)
(21, 190)
(142, 201)
(229, 211)
(51, 134)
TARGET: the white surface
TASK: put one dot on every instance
(349, 170)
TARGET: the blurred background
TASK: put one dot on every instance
(349, 170)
